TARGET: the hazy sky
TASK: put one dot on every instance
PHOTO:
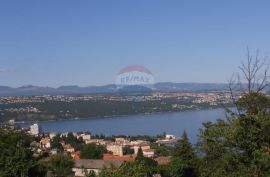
(86, 42)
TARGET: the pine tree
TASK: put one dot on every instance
(183, 149)
(184, 160)
(140, 156)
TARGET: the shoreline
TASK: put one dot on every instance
(112, 116)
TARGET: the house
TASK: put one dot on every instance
(149, 153)
(124, 158)
(69, 148)
(142, 146)
(96, 166)
(168, 136)
(95, 141)
(86, 137)
(45, 142)
(116, 149)
(34, 129)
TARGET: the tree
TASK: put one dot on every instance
(254, 103)
(253, 80)
(239, 147)
(184, 160)
(139, 156)
(61, 165)
(92, 151)
(127, 150)
(71, 139)
(55, 143)
(130, 169)
(16, 156)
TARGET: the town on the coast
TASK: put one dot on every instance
(94, 153)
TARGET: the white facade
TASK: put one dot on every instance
(86, 137)
(170, 136)
(34, 129)
(149, 153)
(115, 149)
(80, 172)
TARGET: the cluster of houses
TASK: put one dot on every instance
(115, 151)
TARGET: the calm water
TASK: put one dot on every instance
(172, 123)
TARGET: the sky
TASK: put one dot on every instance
(86, 42)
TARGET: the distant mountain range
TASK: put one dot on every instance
(31, 90)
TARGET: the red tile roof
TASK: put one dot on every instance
(118, 158)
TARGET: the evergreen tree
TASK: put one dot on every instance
(184, 160)
(139, 156)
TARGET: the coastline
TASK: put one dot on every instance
(113, 116)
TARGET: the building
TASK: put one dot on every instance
(170, 137)
(68, 148)
(137, 147)
(149, 153)
(116, 149)
(95, 141)
(96, 166)
(146, 149)
(34, 129)
(86, 137)
(76, 155)
(124, 158)
(45, 143)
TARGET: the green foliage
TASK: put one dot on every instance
(254, 103)
(184, 161)
(71, 139)
(164, 170)
(127, 150)
(53, 110)
(55, 143)
(238, 147)
(130, 169)
(16, 156)
(142, 167)
(92, 151)
(140, 156)
(162, 150)
(61, 165)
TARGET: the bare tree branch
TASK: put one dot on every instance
(253, 77)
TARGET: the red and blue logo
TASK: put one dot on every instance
(134, 75)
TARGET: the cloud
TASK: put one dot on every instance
(5, 70)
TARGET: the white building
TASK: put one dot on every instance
(82, 165)
(149, 153)
(52, 135)
(34, 129)
(116, 149)
(86, 137)
(170, 137)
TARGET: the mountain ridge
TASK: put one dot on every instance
(31, 90)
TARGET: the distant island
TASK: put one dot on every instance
(37, 108)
